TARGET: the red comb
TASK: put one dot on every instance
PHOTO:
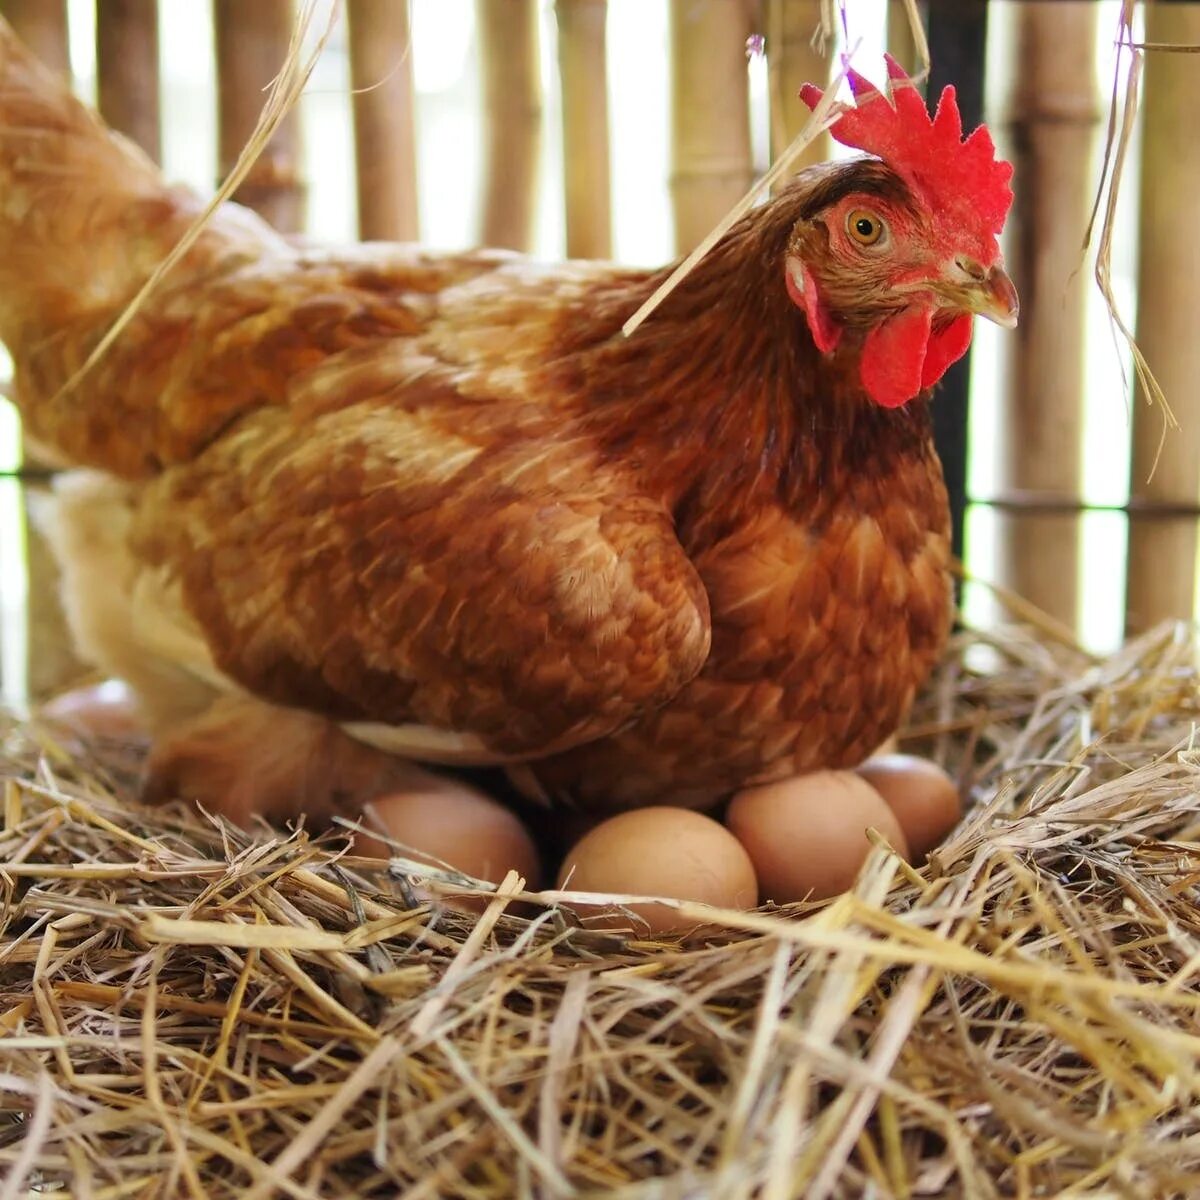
(963, 180)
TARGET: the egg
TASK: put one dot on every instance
(660, 851)
(103, 710)
(439, 820)
(806, 835)
(920, 793)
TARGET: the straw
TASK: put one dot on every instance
(186, 1008)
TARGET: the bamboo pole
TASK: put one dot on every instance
(901, 43)
(512, 120)
(793, 59)
(1054, 114)
(127, 69)
(583, 71)
(710, 114)
(42, 26)
(252, 43)
(52, 663)
(1162, 547)
(385, 142)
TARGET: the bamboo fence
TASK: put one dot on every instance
(1050, 124)
(711, 166)
(385, 138)
(1052, 127)
(901, 41)
(512, 120)
(252, 42)
(795, 56)
(1165, 478)
(127, 70)
(583, 71)
(42, 26)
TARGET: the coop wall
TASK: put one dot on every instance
(628, 128)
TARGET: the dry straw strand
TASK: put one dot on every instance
(1122, 117)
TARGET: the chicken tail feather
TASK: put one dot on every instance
(85, 219)
(69, 193)
(85, 216)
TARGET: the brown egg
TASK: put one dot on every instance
(660, 852)
(807, 835)
(443, 820)
(103, 710)
(920, 793)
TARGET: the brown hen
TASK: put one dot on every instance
(442, 501)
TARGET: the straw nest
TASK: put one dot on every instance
(188, 1011)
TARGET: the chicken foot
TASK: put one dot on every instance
(243, 759)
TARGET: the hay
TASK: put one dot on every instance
(185, 1010)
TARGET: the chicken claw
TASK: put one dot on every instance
(243, 759)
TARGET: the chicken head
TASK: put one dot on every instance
(899, 252)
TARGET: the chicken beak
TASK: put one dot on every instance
(994, 297)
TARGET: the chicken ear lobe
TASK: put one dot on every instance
(802, 288)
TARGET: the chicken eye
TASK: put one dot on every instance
(864, 227)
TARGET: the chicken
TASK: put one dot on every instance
(439, 505)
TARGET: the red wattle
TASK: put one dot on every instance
(905, 354)
(893, 357)
(946, 345)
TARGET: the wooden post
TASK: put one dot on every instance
(583, 70)
(127, 69)
(385, 143)
(1054, 114)
(42, 26)
(712, 166)
(792, 60)
(252, 43)
(512, 119)
(1162, 545)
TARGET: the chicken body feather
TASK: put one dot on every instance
(442, 500)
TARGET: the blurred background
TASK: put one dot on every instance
(626, 129)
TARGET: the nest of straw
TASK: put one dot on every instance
(186, 1010)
